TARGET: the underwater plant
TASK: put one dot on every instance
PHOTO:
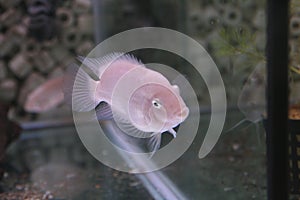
(243, 43)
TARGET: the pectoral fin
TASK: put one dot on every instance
(127, 127)
(173, 132)
(103, 112)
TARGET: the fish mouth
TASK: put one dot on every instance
(185, 112)
(182, 114)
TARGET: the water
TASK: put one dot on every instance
(235, 169)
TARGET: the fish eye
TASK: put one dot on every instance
(156, 103)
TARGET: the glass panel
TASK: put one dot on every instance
(294, 99)
(205, 161)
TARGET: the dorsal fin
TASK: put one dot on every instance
(98, 65)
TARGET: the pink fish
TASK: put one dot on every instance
(46, 96)
(143, 101)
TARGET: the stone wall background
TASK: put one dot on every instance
(26, 63)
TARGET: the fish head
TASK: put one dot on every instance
(157, 107)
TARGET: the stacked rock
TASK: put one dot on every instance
(38, 39)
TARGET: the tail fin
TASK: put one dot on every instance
(68, 82)
(236, 125)
(79, 89)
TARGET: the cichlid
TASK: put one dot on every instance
(143, 102)
(252, 99)
(46, 96)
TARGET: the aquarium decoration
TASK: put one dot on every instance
(42, 19)
(40, 38)
(27, 61)
(235, 42)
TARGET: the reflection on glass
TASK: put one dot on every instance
(38, 40)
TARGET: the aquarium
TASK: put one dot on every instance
(128, 99)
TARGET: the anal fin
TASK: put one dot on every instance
(154, 143)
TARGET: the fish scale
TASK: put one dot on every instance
(143, 102)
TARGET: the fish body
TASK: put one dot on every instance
(46, 96)
(143, 102)
(251, 101)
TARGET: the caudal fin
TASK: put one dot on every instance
(236, 125)
(79, 89)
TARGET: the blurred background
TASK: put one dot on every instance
(41, 154)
